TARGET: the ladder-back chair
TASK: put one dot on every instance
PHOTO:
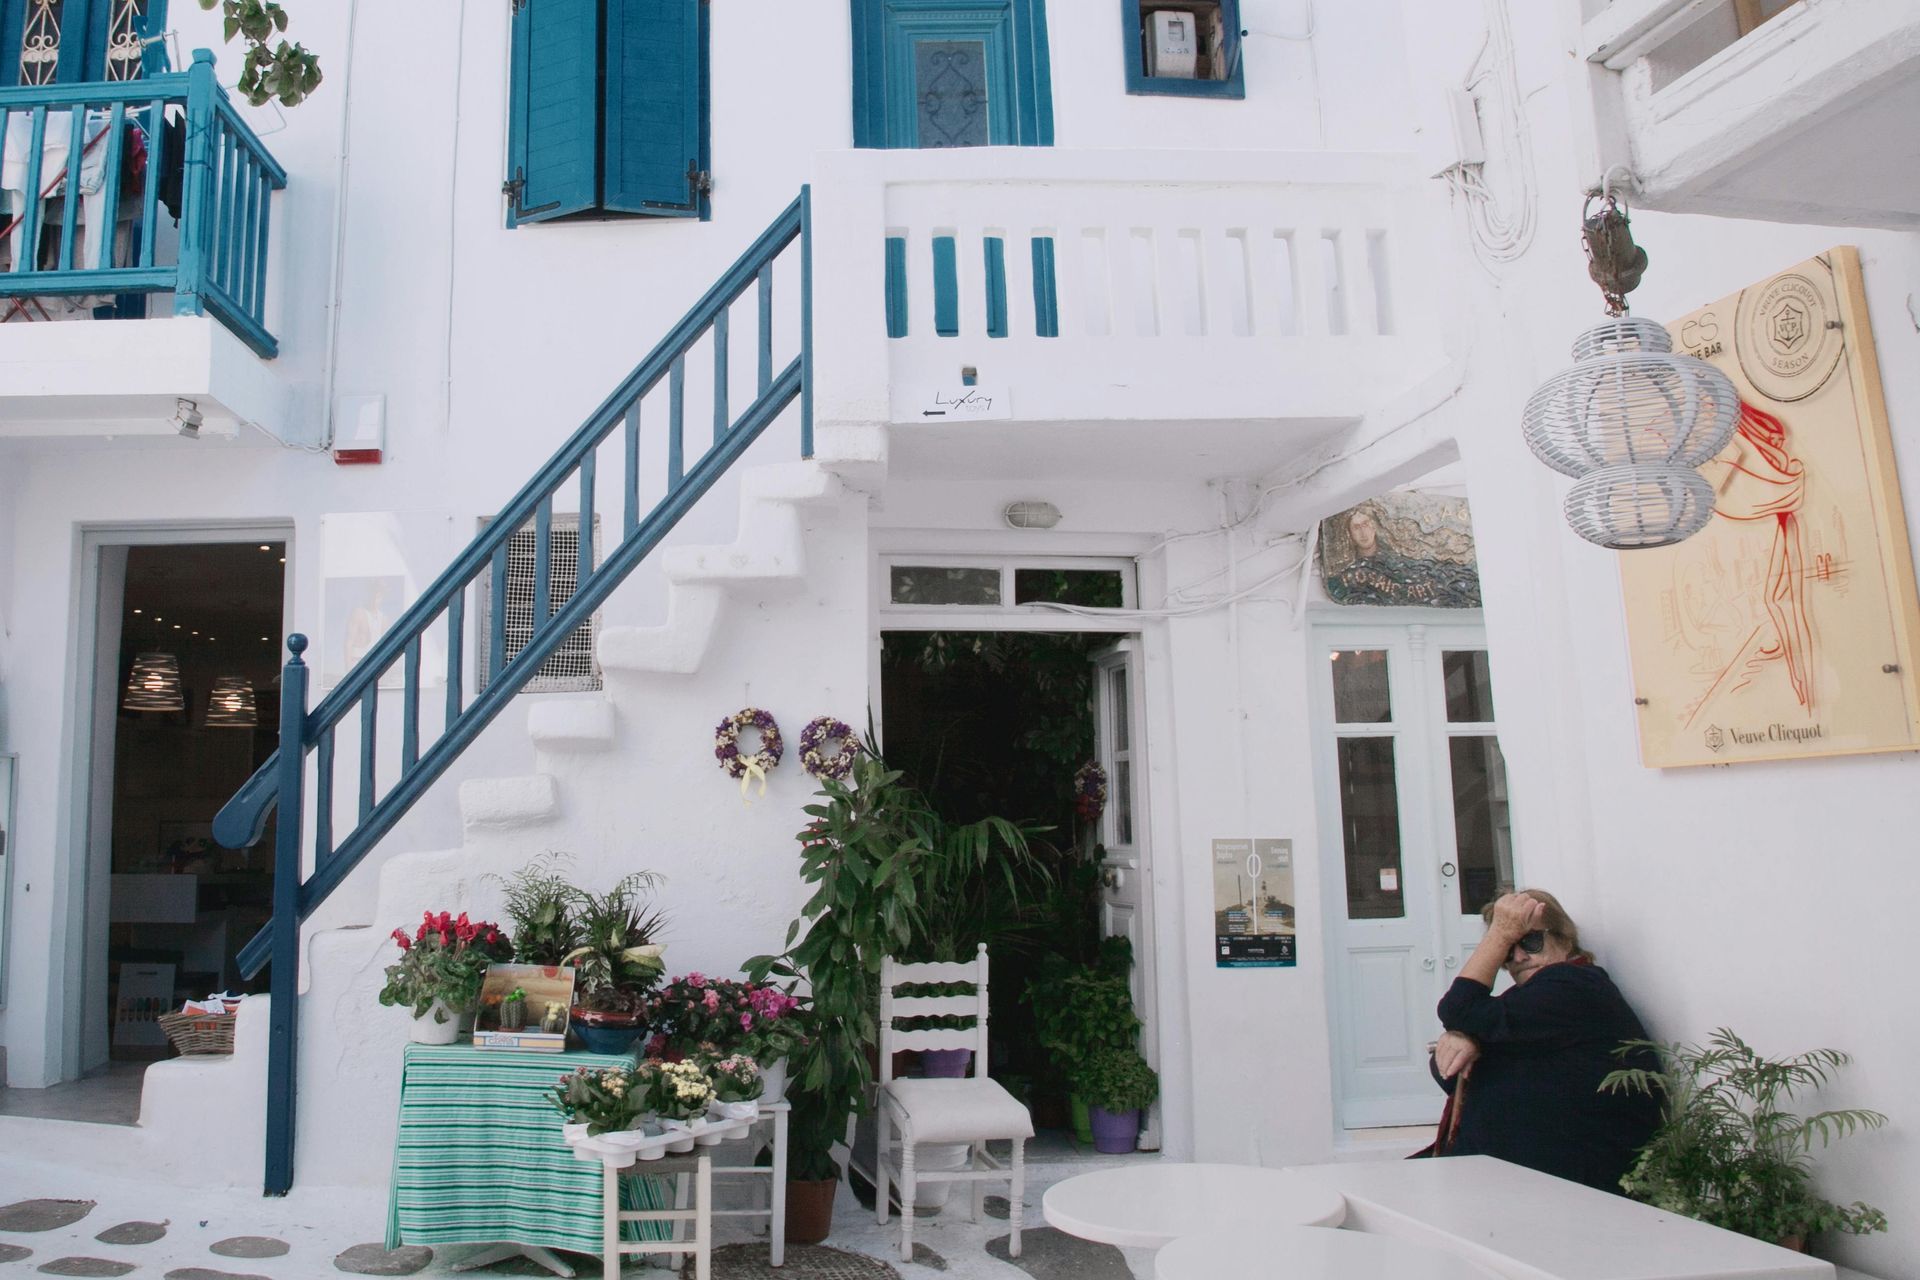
(972, 1110)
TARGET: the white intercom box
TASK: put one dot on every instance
(1173, 45)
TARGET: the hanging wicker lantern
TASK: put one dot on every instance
(1631, 421)
(154, 684)
(231, 704)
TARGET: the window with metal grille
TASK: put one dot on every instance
(570, 668)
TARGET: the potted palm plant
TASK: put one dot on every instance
(1728, 1152)
(617, 963)
(538, 902)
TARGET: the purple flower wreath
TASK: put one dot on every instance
(1090, 791)
(820, 731)
(726, 747)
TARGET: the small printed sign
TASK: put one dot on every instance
(956, 404)
(1253, 909)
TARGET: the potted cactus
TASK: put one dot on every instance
(513, 1010)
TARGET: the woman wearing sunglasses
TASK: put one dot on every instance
(1524, 1067)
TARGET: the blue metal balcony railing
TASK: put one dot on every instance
(304, 876)
(81, 164)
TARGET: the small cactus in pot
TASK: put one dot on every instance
(513, 1010)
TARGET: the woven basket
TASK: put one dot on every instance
(199, 1033)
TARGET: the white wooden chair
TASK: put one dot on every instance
(972, 1110)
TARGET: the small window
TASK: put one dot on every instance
(938, 584)
(571, 667)
(1188, 48)
(607, 117)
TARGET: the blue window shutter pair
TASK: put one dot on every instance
(606, 108)
(83, 39)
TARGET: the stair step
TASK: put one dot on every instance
(573, 725)
(500, 803)
(677, 645)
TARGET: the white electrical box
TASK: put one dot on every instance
(1173, 45)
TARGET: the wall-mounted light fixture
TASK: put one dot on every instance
(1031, 515)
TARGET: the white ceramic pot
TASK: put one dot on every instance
(439, 1025)
(734, 1110)
(937, 1157)
(773, 1081)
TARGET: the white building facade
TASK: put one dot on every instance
(1209, 319)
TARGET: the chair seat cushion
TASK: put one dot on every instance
(959, 1110)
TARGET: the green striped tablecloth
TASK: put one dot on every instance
(479, 1158)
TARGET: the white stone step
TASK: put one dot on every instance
(676, 646)
(497, 804)
(572, 725)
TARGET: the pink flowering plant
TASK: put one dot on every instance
(719, 1017)
(735, 1078)
(605, 1099)
(444, 959)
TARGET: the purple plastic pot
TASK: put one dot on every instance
(945, 1064)
(1114, 1132)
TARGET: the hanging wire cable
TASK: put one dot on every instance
(1500, 213)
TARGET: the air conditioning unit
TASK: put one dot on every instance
(1173, 45)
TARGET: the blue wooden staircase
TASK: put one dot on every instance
(307, 737)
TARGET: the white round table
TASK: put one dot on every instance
(1307, 1253)
(1147, 1205)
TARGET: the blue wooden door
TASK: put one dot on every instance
(72, 41)
(937, 73)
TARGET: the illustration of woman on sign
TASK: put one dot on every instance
(1760, 481)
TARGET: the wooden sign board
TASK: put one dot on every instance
(1787, 628)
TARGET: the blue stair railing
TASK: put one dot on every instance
(278, 787)
(77, 135)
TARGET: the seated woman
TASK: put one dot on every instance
(1524, 1067)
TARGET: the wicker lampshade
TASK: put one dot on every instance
(154, 684)
(1629, 400)
(231, 704)
(1632, 507)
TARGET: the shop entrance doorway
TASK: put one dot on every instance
(1416, 838)
(1024, 716)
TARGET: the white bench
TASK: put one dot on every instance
(1530, 1226)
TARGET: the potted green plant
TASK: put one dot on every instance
(1728, 1152)
(617, 962)
(1118, 1085)
(442, 966)
(860, 858)
(538, 902)
(737, 1086)
(1081, 1011)
(601, 1099)
(513, 1009)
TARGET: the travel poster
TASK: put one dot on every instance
(1253, 916)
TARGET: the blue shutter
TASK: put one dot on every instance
(654, 99)
(553, 116)
(153, 22)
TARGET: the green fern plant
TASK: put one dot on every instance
(539, 902)
(1728, 1151)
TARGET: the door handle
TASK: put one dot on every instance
(1426, 962)
(1452, 961)
(1447, 869)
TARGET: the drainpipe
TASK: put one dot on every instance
(337, 268)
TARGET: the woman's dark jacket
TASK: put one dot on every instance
(1533, 1097)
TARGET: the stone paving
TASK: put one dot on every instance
(64, 1222)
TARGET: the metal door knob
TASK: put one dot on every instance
(1447, 869)
(1452, 961)
(1427, 964)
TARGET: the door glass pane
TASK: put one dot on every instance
(40, 42)
(1093, 588)
(1469, 686)
(1123, 802)
(1360, 694)
(1482, 834)
(1117, 694)
(950, 92)
(124, 49)
(1370, 829)
(936, 584)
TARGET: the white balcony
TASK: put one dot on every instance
(1790, 112)
(1205, 308)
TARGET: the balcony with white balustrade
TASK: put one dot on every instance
(1203, 312)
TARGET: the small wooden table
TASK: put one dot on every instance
(681, 1152)
(1307, 1253)
(1149, 1205)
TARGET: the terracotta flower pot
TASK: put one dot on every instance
(810, 1210)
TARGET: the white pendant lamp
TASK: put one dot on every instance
(231, 704)
(154, 684)
(1630, 421)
